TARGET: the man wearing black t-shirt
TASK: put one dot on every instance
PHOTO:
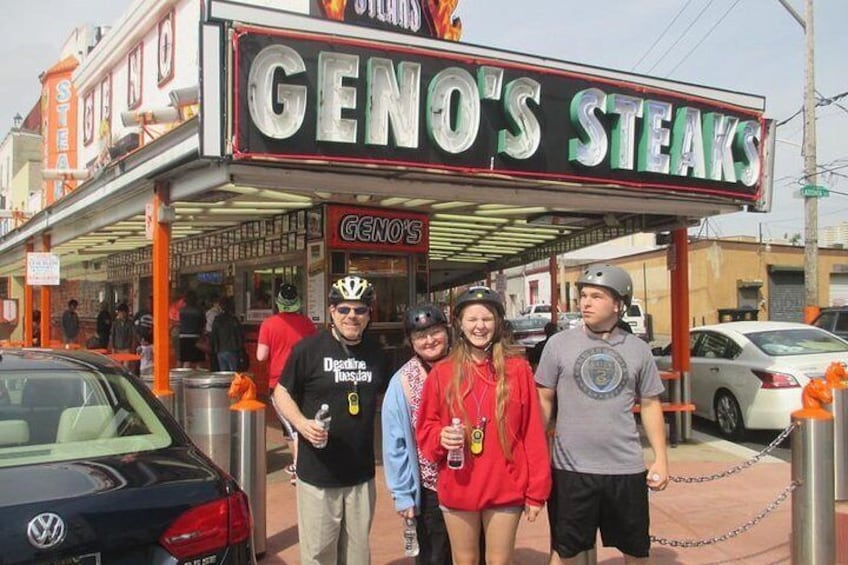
(335, 487)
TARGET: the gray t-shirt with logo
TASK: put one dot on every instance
(597, 383)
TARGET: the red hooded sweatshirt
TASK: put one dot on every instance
(489, 479)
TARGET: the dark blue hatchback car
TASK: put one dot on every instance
(94, 470)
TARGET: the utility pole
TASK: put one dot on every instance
(811, 202)
(810, 190)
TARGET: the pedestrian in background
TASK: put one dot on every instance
(191, 327)
(593, 375)
(277, 335)
(500, 452)
(104, 325)
(344, 369)
(215, 309)
(70, 323)
(410, 476)
(226, 337)
(121, 336)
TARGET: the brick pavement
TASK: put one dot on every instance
(683, 511)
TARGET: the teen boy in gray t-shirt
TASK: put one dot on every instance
(594, 375)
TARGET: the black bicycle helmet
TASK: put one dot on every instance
(423, 316)
(351, 289)
(287, 299)
(478, 295)
(610, 277)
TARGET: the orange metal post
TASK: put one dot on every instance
(680, 300)
(46, 296)
(27, 303)
(161, 297)
(552, 268)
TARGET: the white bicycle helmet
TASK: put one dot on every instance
(351, 289)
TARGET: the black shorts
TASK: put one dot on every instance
(580, 503)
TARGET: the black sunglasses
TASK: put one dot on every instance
(358, 310)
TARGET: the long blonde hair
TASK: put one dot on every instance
(461, 382)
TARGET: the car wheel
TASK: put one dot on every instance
(729, 416)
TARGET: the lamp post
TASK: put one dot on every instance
(810, 190)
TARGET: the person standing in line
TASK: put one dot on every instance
(104, 325)
(226, 337)
(487, 385)
(191, 327)
(143, 320)
(70, 323)
(277, 336)
(593, 375)
(121, 337)
(215, 309)
(346, 370)
(410, 476)
(145, 354)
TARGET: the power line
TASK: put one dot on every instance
(821, 102)
(706, 35)
(661, 35)
(681, 36)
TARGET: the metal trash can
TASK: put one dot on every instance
(207, 414)
(176, 406)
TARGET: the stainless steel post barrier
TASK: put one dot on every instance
(174, 402)
(207, 414)
(835, 377)
(247, 454)
(813, 508)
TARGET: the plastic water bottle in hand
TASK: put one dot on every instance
(323, 417)
(410, 538)
(456, 457)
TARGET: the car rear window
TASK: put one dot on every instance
(59, 416)
(800, 341)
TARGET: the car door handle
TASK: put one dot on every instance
(714, 369)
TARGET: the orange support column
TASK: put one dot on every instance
(678, 264)
(680, 300)
(552, 269)
(28, 305)
(46, 296)
(161, 297)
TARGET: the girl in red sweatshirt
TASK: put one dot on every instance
(505, 470)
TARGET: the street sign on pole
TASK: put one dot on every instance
(815, 191)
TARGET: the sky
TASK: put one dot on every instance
(751, 46)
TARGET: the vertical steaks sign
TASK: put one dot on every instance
(377, 229)
(354, 101)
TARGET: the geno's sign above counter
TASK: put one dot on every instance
(302, 96)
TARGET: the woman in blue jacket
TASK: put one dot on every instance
(411, 478)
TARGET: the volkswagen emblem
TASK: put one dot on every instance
(46, 530)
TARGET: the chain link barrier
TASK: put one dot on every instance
(734, 532)
(740, 467)
(689, 543)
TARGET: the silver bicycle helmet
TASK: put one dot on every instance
(610, 277)
(351, 289)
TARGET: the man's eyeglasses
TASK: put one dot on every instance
(358, 310)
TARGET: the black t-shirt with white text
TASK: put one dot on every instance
(320, 371)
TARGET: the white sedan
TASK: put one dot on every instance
(749, 375)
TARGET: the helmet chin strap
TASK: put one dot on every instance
(342, 339)
(486, 348)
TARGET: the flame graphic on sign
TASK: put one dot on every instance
(335, 9)
(446, 26)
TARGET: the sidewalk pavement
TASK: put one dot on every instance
(681, 512)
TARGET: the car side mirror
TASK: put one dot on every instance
(657, 351)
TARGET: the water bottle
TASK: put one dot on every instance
(456, 457)
(410, 538)
(323, 418)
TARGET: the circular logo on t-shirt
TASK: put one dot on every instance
(600, 373)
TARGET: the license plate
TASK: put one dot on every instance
(87, 559)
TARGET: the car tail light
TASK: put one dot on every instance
(209, 527)
(771, 379)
